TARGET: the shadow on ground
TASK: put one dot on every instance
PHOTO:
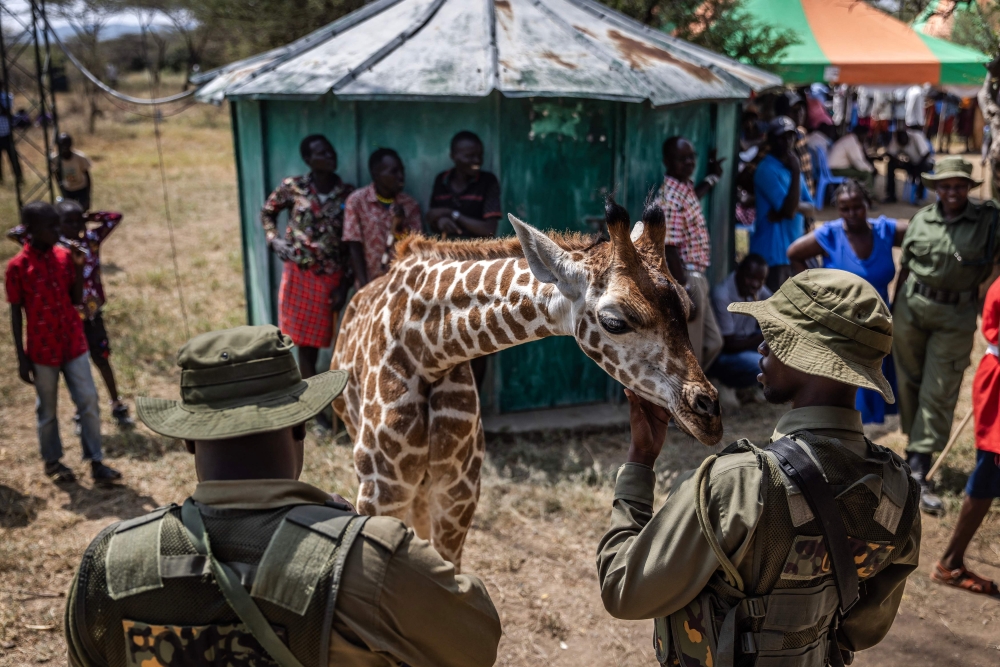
(17, 509)
(139, 446)
(118, 501)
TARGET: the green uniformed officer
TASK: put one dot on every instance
(949, 250)
(734, 566)
(257, 568)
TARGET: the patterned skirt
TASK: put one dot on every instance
(305, 301)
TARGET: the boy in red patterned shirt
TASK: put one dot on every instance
(45, 281)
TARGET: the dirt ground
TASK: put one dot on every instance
(545, 498)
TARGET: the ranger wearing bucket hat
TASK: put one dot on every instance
(735, 566)
(257, 567)
(950, 249)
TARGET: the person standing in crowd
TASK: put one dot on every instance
(915, 113)
(782, 196)
(792, 105)
(465, 200)
(734, 566)
(329, 587)
(984, 482)
(910, 151)
(688, 249)
(378, 215)
(950, 249)
(76, 233)
(73, 170)
(847, 157)
(737, 366)
(315, 277)
(6, 137)
(862, 246)
(44, 282)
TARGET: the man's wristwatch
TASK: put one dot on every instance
(455, 215)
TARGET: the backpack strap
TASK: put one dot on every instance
(701, 510)
(237, 597)
(799, 466)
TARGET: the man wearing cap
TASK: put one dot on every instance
(734, 565)
(949, 251)
(782, 197)
(256, 567)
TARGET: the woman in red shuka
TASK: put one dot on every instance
(984, 482)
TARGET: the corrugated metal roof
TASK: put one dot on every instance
(433, 49)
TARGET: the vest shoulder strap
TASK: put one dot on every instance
(299, 551)
(132, 562)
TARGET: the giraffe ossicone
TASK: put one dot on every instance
(411, 406)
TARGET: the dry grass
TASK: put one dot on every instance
(545, 497)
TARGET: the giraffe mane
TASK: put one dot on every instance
(421, 246)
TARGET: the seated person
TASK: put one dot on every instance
(821, 138)
(465, 201)
(911, 151)
(736, 367)
(847, 158)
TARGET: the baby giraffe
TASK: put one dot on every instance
(411, 405)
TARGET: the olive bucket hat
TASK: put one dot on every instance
(950, 167)
(236, 382)
(829, 323)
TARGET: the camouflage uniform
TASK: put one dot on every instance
(660, 565)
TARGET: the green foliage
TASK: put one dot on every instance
(723, 26)
(975, 28)
(252, 26)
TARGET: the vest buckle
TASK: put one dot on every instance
(747, 643)
(754, 607)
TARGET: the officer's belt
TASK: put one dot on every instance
(947, 297)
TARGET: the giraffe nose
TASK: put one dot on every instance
(705, 405)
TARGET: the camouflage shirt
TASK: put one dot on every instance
(315, 223)
(653, 564)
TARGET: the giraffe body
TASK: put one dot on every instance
(411, 406)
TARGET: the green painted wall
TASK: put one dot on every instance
(556, 159)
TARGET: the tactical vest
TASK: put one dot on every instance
(148, 594)
(786, 614)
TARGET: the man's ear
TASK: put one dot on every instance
(548, 262)
(299, 432)
(190, 446)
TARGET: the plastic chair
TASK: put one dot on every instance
(824, 178)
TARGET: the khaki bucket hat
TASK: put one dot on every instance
(829, 323)
(236, 382)
(950, 167)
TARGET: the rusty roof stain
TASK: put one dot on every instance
(554, 57)
(641, 55)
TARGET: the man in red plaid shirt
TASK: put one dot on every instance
(688, 249)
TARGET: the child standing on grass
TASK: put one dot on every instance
(44, 282)
(73, 168)
(75, 232)
(984, 482)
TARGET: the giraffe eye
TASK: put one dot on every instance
(613, 325)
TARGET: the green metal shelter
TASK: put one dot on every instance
(572, 101)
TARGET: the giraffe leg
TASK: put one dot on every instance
(390, 457)
(457, 447)
(420, 517)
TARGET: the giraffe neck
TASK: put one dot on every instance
(461, 310)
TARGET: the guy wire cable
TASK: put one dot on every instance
(107, 89)
(163, 183)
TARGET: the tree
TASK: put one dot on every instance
(723, 26)
(87, 19)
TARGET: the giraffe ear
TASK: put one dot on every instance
(548, 262)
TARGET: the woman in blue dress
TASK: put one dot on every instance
(862, 246)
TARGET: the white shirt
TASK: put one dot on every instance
(848, 153)
(914, 106)
(916, 149)
(818, 141)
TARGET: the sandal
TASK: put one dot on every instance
(964, 579)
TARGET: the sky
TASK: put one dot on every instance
(122, 21)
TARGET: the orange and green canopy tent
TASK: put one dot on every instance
(849, 41)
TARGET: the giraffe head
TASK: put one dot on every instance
(629, 315)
